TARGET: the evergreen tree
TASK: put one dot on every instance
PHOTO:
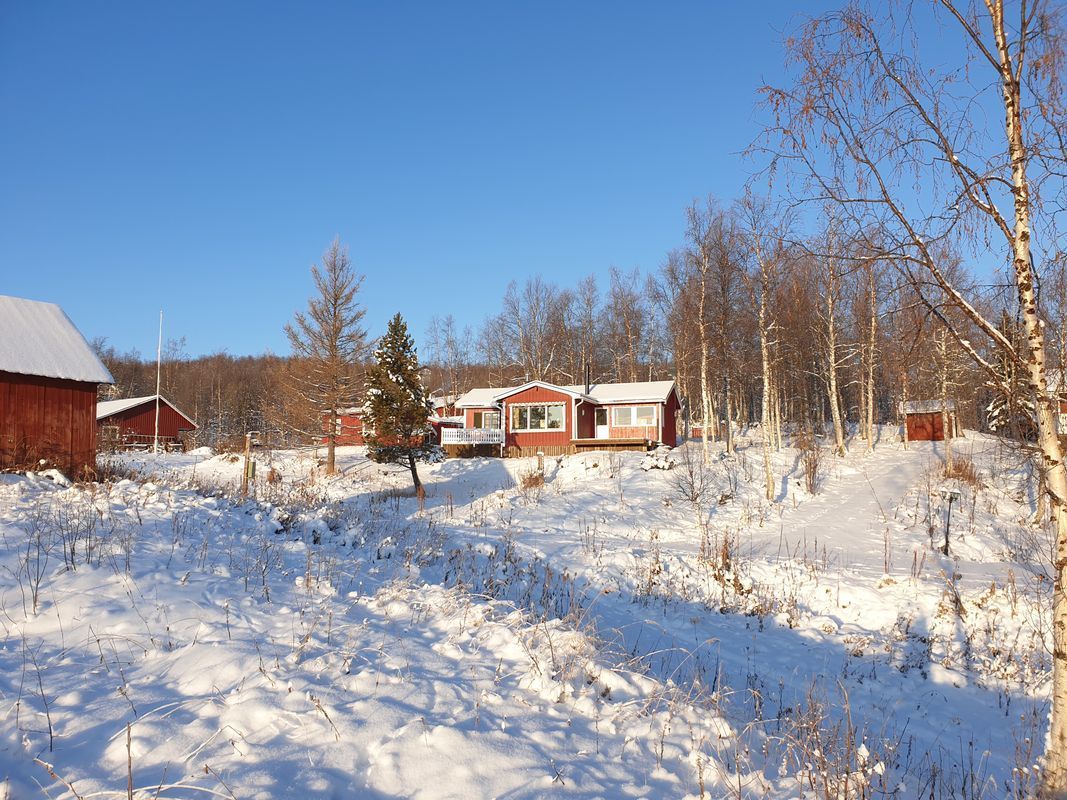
(397, 408)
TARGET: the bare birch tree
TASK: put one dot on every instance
(701, 235)
(866, 120)
(765, 235)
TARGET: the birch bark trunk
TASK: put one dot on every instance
(831, 360)
(872, 343)
(1055, 476)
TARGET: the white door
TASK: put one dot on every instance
(602, 423)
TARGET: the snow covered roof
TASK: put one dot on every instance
(107, 408)
(640, 392)
(478, 398)
(925, 406)
(39, 339)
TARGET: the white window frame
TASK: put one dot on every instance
(514, 407)
(634, 423)
(484, 414)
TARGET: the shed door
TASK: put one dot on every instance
(925, 428)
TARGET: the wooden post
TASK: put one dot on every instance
(247, 469)
(541, 462)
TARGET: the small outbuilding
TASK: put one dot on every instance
(923, 420)
(48, 380)
(131, 423)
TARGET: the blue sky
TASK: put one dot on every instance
(199, 157)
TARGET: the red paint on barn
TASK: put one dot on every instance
(137, 424)
(47, 418)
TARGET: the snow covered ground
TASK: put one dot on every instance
(609, 632)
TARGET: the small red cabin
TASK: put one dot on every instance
(131, 423)
(924, 422)
(48, 380)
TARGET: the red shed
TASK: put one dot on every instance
(924, 423)
(48, 380)
(132, 422)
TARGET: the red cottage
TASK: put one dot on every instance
(555, 420)
(132, 422)
(48, 380)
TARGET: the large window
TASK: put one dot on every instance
(633, 416)
(537, 418)
(486, 419)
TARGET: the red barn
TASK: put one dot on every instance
(48, 380)
(554, 420)
(132, 422)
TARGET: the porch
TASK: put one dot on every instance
(468, 442)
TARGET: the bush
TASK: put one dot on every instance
(964, 471)
(531, 480)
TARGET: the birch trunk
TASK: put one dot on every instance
(705, 391)
(872, 339)
(903, 407)
(942, 357)
(1055, 476)
(831, 361)
(766, 412)
(729, 435)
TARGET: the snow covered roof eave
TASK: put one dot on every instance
(109, 408)
(39, 339)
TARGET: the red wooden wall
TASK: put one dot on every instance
(47, 418)
(670, 420)
(927, 427)
(538, 394)
(140, 421)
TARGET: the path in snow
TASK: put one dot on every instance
(850, 518)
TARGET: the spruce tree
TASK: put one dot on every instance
(397, 409)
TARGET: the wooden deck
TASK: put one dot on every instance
(641, 445)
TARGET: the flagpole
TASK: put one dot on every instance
(159, 362)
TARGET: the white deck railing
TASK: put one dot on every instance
(472, 436)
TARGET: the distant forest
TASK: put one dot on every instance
(742, 298)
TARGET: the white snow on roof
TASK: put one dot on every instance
(106, 408)
(39, 339)
(478, 398)
(926, 406)
(641, 392)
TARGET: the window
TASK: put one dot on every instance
(537, 418)
(486, 419)
(109, 432)
(633, 416)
